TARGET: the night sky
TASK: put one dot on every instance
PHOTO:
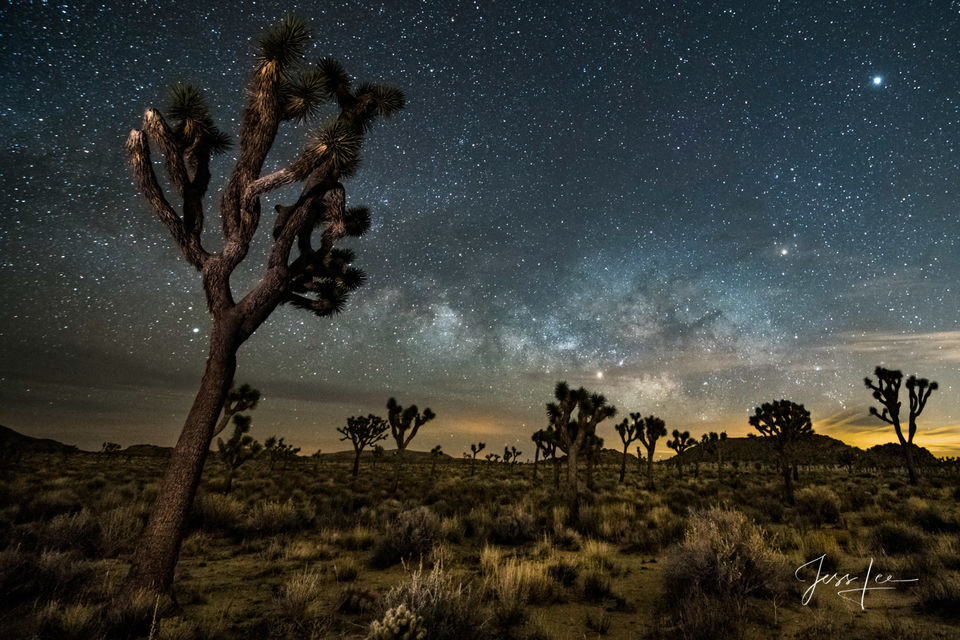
(692, 208)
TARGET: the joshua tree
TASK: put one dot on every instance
(238, 449)
(511, 456)
(629, 430)
(317, 456)
(886, 391)
(492, 457)
(680, 443)
(539, 439)
(404, 424)
(363, 431)
(110, 449)
(239, 399)
(377, 454)
(712, 444)
(652, 430)
(848, 458)
(276, 449)
(474, 450)
(315, 278)
(435, 454)
(784, 424)
(571, 434)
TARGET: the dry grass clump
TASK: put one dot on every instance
(723, 561)
(413, 534)
(818, 505)
(448, 609)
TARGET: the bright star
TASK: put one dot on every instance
(877, 81)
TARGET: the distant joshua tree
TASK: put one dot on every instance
(318, 277)
(572, 433)
(629, 431)
(404, 424)
(238, 449)
(784, 424)
(239, 399)
(887, 392)
(652, 430)
(492, 457)
(435, 454)
(592, 449)
(110, 449)
(680, 443)
(278, 450)
(848, 458)
(377, 454)
(363, 431)
(713, 444)
(545, 443)
(474, 450)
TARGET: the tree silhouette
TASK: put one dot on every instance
(316, 278)
(680, 443)
(571, 433)
(784, 424)
(712, 444)
(239, 399)
(238, 449)
(363, 431)
(474, 450)
(377, 454)
(277, 450)
(652, 430)
(886, 391)
(404, 424)
(629, 430)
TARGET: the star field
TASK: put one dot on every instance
(691, 208)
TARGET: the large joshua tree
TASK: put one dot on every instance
(785, 424)
(281, 90)
(886, 391)
(572, 432)
(404, 424)
(652, 430)
(363, 431)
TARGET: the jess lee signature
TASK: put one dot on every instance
(880, 582)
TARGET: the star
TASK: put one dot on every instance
(877, 81)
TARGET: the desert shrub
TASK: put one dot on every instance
(893, 538)
(680, 499)
(563, 572)
(818, 505)
(940, 595)
(298, 598)
(67, 621)
(820, 543)
(119, 530)
(357, 538)
(219, 513)
(452, 529)
(52, 503)
(270, 518)
(723, 560)
(26, 575)
(596, 584)
(72, 531)
(513, 527)
(398, 623)
(599, 623)
(354, 600)
(413, 534)
(448, 611)
(478, 523)
(346, 570)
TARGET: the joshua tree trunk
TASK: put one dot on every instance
(159, 546)
(228, 483)
(556, 472)
(650, 467)
(623, 463)
(397, 464)
(911, 467)
(356, 463)
(536, 459)
(787, 480)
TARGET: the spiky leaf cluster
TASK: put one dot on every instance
(783, 421)
(241, 446)
(325, 283)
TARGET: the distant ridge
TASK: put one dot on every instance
(13, 440)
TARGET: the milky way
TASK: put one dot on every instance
(692, 209)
